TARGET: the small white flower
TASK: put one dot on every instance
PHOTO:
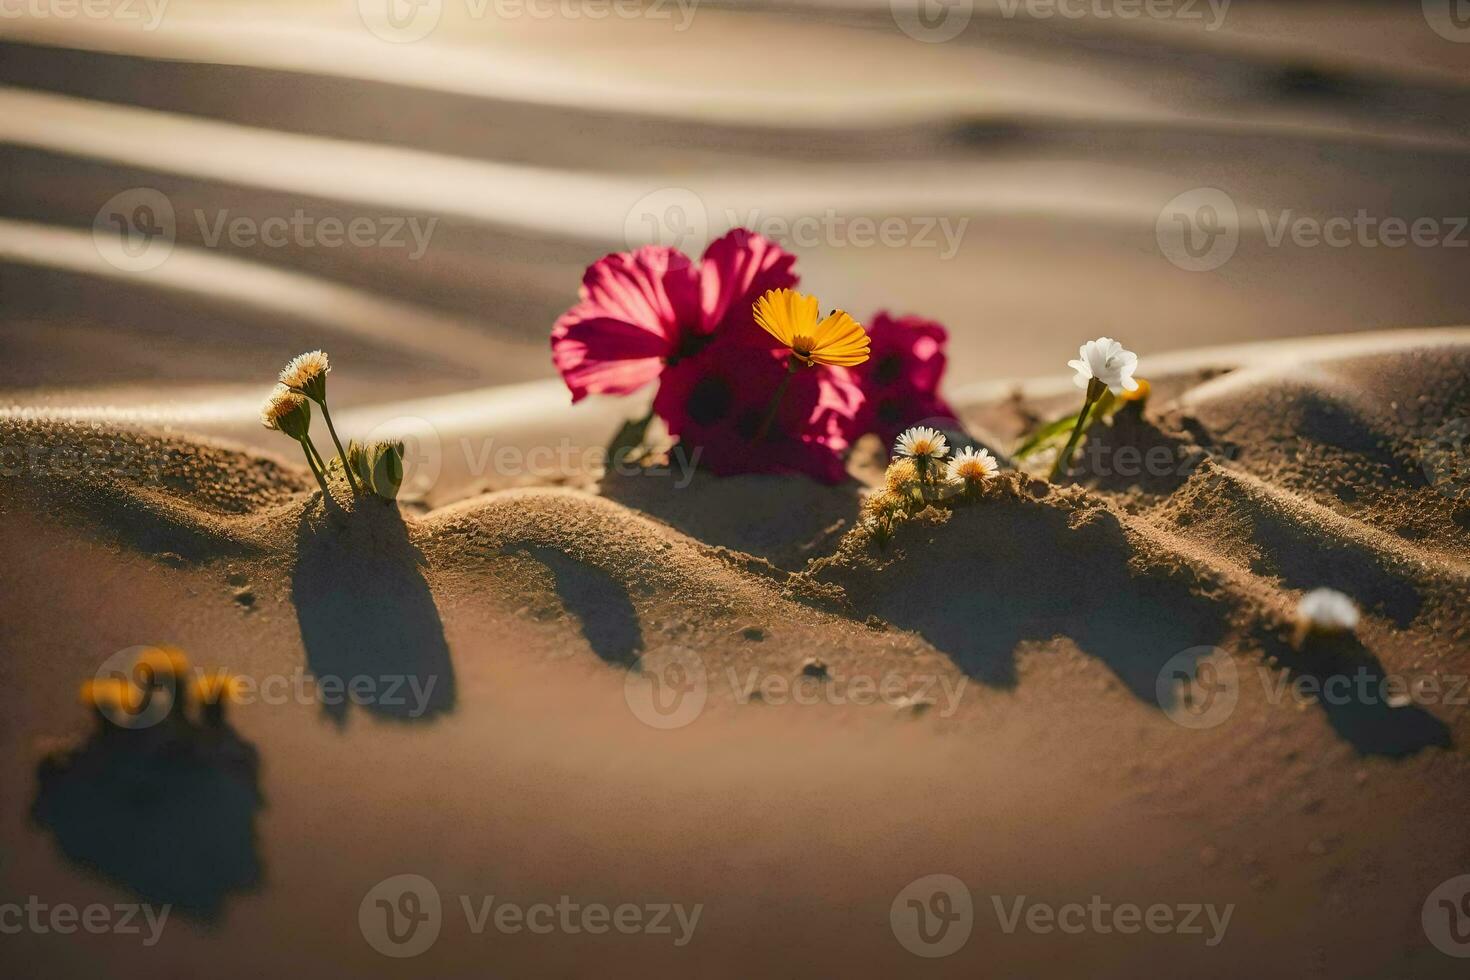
(1107, 361)
(971, 466)
(1327, 611)
(921, 444)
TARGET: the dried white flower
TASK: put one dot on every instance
(286, 411)
(307, 373)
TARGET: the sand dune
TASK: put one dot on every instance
(1039, 725)
(537, 591)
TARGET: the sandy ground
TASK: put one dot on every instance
(528, 606)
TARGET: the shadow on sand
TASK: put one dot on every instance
(599, 602)
(372, 634)
(1029, 574)
(1032, 573)
(167, 811)
(1348, 683)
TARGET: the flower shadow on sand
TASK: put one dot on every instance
(365, 611)
(1044, 572)
(783, 519)
(598, 602)
(168, 812)
(1370, 724)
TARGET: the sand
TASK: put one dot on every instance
(979, 697)
(1046, 765)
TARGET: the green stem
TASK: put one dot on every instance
(321, 480)
(311, 448)
(341, 453)
(1065, 459)
(760, 433)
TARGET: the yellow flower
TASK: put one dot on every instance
(884, 503)
(901, 476)
(1137, 394)
(791, 318)
(164, 662)
(109, 694)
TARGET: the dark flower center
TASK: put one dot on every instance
(690, 344)
(888, 370)
(710, 400)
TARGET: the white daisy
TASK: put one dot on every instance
(921, 444)
(1327, 611)
(1105, 361)
(971, 466)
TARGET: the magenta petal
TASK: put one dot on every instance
(901, 378)
(603, 356)
(635, 310)
(737, 268)
(646, 287)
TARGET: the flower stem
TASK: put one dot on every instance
(1065, 459)
(760, 433)
(321, 480)
(341, 453)
(316, 456)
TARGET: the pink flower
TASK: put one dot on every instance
(900, 380)
(642, 311)
(717, 401)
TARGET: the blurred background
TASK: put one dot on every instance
(197, 189)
